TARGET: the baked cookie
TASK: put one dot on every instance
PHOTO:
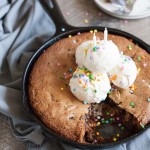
(54, 104)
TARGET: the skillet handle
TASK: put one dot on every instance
(53, 10)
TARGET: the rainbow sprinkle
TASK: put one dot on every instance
(111, 119)
(143, 126)
(109, 92)
(85, 102)
(86, 21)
(138, 70)
(86, 89)
(133, 87)
(91, 76)
(145, 65)
(63, 29)
(95, 30)
(91, 31)
(129, 47)
(74, 41)
(114, 77)
(107, 113)
(74, 89)
(98, 124)
(97, 133)
(143, 57)
(94, 49)
(138, 58)
(132, 104)
(106, 121)
(122, 128)
(98, 117)
(95, 91)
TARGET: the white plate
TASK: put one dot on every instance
(111, 9)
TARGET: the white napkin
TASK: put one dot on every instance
(140, 6)
(131, 7)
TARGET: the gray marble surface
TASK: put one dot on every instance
(80, 13)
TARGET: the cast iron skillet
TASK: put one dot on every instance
(53, 10)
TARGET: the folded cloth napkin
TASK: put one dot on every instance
(24, 27)
(132, 7)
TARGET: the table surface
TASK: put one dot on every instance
(80, 13)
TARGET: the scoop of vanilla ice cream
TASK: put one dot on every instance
(89, 87)
(124, 74)
(100, 58)
(81, 52)
(103, 57)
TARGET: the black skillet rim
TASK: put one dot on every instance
(36, 55)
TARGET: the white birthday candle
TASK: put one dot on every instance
(94, 39)
(105, 35)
